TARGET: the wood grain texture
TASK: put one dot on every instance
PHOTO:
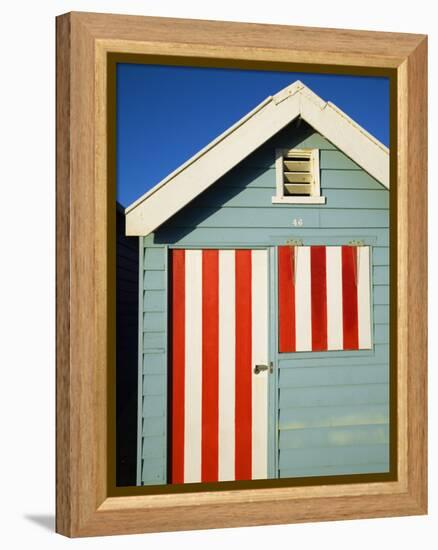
(63, 410)
(83, 41)
(417, 274)
(229, 40)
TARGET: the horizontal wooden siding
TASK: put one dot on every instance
(152, 450)
(333, 407)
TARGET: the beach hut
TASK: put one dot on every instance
(263, 338)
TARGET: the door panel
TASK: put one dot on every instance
(324, 298)
(219, 325)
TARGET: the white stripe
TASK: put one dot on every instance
(259, 293)
(303, 316)
(193, 367)
(363, 296)
(227, 349)
(335, 331)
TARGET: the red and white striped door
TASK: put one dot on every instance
(219, 408)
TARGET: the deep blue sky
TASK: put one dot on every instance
(166, 114)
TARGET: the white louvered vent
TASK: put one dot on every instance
(297, 174)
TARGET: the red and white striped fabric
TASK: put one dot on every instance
(324, 298)
(219, 332)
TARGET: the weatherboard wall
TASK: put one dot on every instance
(331, 409)
(152, 397)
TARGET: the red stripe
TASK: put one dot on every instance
(210, 365)
(319, 298)
(286, 298)
(243, 412)
(178, 360)
(349, 297)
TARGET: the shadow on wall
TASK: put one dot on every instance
(126, 353)
(228, 188)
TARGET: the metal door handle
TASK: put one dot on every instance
(260, 368)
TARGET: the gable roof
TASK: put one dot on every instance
(171, 194)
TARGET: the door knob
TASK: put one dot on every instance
(260, 368)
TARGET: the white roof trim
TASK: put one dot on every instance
(213, 161)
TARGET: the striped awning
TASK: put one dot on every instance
(324, 298)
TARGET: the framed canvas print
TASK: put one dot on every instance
(241, 274)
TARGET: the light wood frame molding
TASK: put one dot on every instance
(85, 506)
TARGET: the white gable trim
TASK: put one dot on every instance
(346, 135)
(181, 186)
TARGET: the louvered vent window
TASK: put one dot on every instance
(297, 174)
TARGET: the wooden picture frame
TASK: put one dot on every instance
(87, 503)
